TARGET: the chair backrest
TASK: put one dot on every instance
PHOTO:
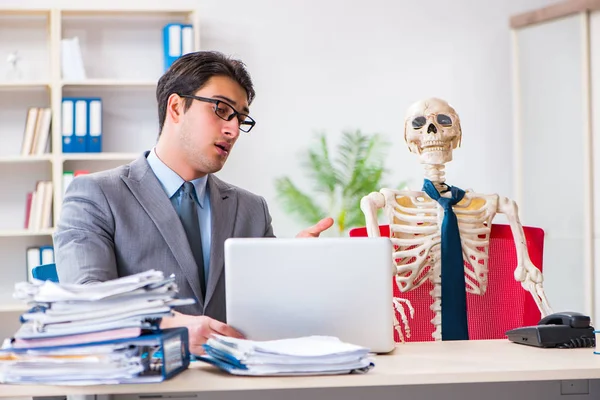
(46, 272)
(504, 306)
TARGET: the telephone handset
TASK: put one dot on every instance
(569, 318)
(563, 330)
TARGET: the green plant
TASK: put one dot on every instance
(340, 182)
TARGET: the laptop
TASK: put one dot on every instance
(279, 288)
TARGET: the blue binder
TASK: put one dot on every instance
(178, 39)
(46, 255)
(164, 353)
(68, 125)
(74, 124)
(94, 126)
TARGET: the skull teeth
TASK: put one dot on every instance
(434, 145)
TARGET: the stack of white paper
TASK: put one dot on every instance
(60, 310)
(311, 355)
(76, 334)
(71, 366)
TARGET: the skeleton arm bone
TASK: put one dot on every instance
(528, 274)
(369, 206)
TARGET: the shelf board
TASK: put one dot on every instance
(25, 159)
(14, 307)
(111, 83)
(100, 156)
(25, 232)
(14, 85)
(24, 11)
(96, 11)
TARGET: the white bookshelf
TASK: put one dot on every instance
(104, 156)
(8, 85)
(112, 82)
(25, 232)
(122, 50)
(16, 159)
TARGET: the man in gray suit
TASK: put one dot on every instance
(166, 210)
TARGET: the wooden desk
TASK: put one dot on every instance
(427, 363)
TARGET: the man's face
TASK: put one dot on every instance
(206, 139)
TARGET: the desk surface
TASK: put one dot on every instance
(408, 364)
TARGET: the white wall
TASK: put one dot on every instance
(334, 65)
(330, 65)
(550, 62)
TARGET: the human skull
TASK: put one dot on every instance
(432, 130)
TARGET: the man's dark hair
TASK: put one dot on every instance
(191, 72)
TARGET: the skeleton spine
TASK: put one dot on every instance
(435, 173)
(436, 307)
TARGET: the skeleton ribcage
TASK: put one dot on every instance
(415, 230)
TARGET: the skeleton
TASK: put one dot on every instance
(432, 130)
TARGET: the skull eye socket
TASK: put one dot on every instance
(418, 122)
(444, 120)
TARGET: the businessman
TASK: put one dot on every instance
(166, 210)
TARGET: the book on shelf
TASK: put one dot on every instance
(38, 207)
(36, 136)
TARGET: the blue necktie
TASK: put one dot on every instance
(454, 296)
(188, 213)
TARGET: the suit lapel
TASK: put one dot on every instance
(223, 208)
(149, 193)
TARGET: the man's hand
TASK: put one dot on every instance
(200, 329)
(315, 230)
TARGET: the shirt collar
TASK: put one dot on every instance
(171, 182)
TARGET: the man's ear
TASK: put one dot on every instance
(174, 108)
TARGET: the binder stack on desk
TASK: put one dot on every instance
(311, 355)
(103, 333)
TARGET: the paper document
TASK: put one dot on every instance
(101, 333)
(311, 355)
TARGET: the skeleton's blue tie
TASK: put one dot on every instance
(454, 297)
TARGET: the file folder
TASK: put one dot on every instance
(74, 124)
(33, 256)
(178, 39)
(46, 255)
(94, 138)
(172, 43)
(68, 126)
(187, 39)
(163, 354)
(81, 125)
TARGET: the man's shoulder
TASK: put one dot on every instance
(109, 176)
(117, 173)
(240, 192)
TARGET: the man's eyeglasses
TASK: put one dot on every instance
(226, 112)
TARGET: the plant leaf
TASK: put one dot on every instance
(320, 168)
(296, 202)
(357, 170)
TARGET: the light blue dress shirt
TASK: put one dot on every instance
(171, 183)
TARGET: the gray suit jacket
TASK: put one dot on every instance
(120, 222)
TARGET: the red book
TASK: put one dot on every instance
(80, 172)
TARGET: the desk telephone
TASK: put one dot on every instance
(562, 330)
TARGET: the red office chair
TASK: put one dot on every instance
(504, 306)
